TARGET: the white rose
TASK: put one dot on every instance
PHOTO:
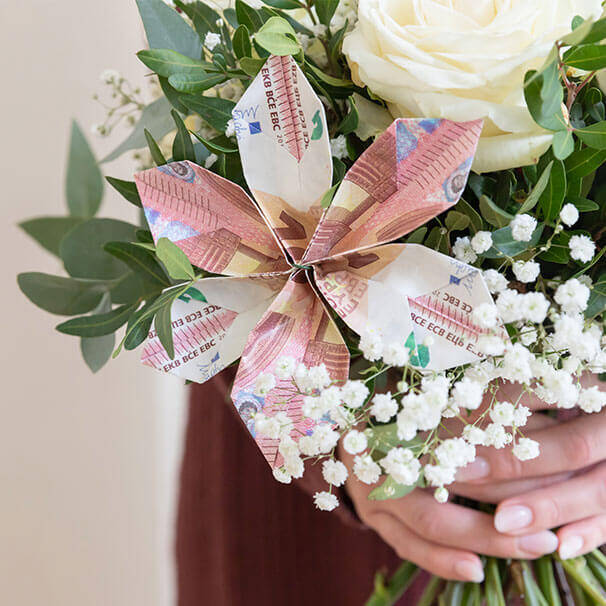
(463, 60)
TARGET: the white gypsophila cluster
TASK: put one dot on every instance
(338, 147)
(569, 214)
(212, 40)
(582, 248)
(522, 227)
(481, 242)
(464, 251)
(435, 421)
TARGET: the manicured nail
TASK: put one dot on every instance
(477, 469)
(513, 518)
(470, 571)
(539, 543)
(571, 547)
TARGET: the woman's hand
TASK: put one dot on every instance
(565, 487)
(577, 504)
(442, 538)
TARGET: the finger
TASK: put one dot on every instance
(495, 492)
(452, 525)
(582, 537)
(444, 562)
(565, 447)
(555, 505)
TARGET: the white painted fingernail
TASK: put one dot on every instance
(511, 518)
(539, 543)
(570, 547)
(469, 571)
(479, 468)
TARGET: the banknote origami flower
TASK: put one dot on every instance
(284, 260)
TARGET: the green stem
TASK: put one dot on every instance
(430, 592)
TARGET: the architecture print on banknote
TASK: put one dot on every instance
(286, 265)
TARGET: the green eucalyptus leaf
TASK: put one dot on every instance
(218, 145)
(241, 42)
(166, 28)
(584, 205)
(597, 298)
(587, 57)
(563, 144)
(97, 325)
(594, 136)
(328, 196)
(154, 150)
(284, 4)
(164, 329)
(139, 260)
(417, 236)
(584, 161)
(150, 310)
(155, 119)
(49, 231)
(248, 16)
(192, 84)
(96, 351)
(172, 95)
(166, 63)
(350, 122)
(544, 96)
(59, 295)
(202, 16)
(390, 489)
(127, 189)
(215, 111)
(552, 198)
(251, 66)
(503, 243)
(476, 223)
(82, 249)
(325, 10)
(175, 260)
(559, 251)
(183, 148)
(493, 214)
(456, 221)
(537, 190)
(84, 181)
(278, 37)
(140, 332)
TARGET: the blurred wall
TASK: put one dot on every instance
(87, 462)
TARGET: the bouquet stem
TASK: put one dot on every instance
(548, 581)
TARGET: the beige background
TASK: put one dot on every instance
(87, 463)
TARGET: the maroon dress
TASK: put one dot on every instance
(244, 539)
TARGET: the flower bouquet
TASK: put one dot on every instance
(393, 217)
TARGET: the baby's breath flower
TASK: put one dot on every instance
(582, 248)
(463, 250)
(354, 393)
(481, 242)
(485, 315)
(383, 407)
(526, 449)
(569, 214)
(355, 442)
(325, 501)
(212, 40)
(522, 227)
(495, 281)
(334, 472)
(441, 494)
(366, 470)
(572, 296)
(526, 271)
(338, 147)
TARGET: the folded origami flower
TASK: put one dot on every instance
(285, 259)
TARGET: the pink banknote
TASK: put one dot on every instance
(291, 266)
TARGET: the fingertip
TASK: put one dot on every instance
(469, 569)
